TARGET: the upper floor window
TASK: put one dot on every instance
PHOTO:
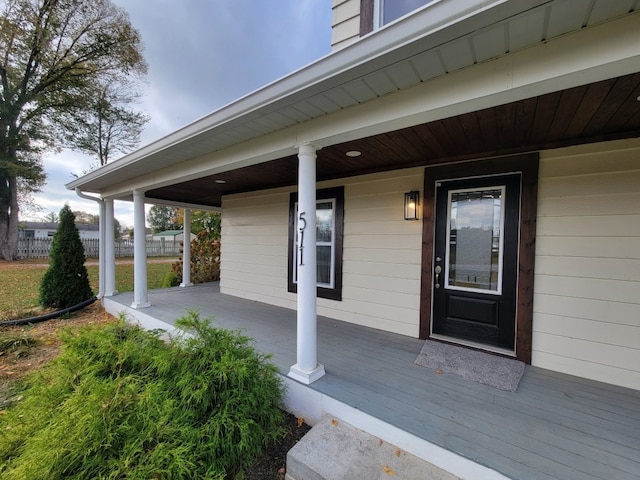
(376, 13)
(390, 10)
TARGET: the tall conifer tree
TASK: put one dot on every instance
(65, 283)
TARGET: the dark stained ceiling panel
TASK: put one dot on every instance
(601, 111)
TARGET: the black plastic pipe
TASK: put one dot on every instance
(48, 316)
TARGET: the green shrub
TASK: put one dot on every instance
(122, 403)
(66, 282)
(170, 280)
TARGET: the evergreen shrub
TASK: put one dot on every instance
(122, 403)
(170, 280)
(66, 282)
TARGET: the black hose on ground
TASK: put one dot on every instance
(48, 316)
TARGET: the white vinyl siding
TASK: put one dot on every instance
(381, 251)
(345, 23)
(254, 247)
(587, 285)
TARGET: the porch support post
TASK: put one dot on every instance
(307, 369)
(140, 294)
(101, 242)
(109, 250)
(186, 250)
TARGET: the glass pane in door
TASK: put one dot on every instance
(474, 239)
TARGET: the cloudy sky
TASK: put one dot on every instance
(202, 54)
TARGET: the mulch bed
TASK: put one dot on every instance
(272, 465)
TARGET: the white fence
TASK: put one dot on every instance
(40, 247)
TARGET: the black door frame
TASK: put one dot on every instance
(527, 165)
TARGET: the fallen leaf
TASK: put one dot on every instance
(388, 470)
(300, 421)
(439, 372)
(2, 412)
(335, 422)
(380, 442)
(398, 452)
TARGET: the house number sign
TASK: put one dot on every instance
(302, 225)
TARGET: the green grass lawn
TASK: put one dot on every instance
(19, 286)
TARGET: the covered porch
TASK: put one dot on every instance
(554, 426)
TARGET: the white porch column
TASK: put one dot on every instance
(101, 242)
(186, 250)
(307, 369)
(140, 294)
(109, 250)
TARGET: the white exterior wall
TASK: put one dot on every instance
(89, 234)
(381, 251)
(253, 261)
(43, 233)
(587, 286)
(345, 23)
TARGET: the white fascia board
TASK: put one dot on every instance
(269, 147)
(594, 54)
(450, 18)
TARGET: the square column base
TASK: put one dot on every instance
(305, 376)
(186, 284)
(139, 305)
(111, 294)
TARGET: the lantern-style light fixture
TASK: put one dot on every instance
(411, 204)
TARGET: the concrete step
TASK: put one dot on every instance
(335, 450)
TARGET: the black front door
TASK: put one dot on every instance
(475, 260)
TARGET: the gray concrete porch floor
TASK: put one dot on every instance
(555, 426)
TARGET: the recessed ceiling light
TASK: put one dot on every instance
(353, 153)
(220, 181)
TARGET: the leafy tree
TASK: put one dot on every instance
(202, 220)
(26, 201)
(204, 261)
(108, 127)
(86, 218)
(162, 217)
(66, 282)
(51, 217)
(54, 56)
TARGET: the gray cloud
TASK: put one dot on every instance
(203, 54)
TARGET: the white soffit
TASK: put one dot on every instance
(443, 37)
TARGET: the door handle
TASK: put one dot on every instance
(437, 270)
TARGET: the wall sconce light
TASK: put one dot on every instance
(411, 203)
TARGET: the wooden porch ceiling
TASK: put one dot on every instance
(606, 110)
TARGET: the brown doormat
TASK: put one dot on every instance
(498, 372)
